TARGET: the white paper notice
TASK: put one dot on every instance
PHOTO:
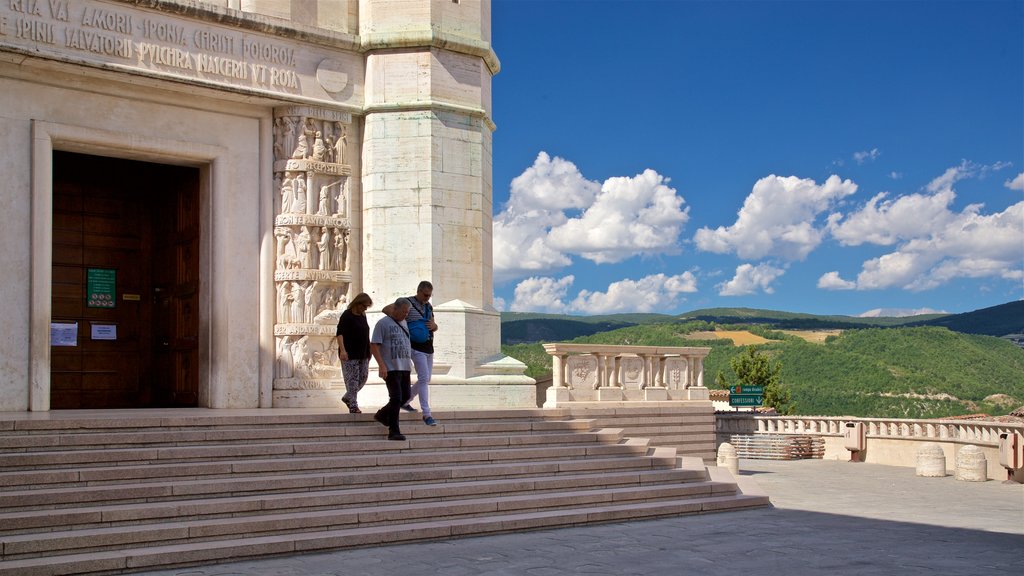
(64, 334)
(104, 331)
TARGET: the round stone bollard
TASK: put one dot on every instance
(728, 459)
(931, 461)
(971, 465)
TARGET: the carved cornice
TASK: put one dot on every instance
(427, 105)
(432, 38)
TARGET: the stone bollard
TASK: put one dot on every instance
(931, 461)
(727, 458)
(971, 465)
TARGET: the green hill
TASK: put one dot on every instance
(916, 372)
(797, 320)
(1001, 320)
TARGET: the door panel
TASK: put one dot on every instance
(121, 215)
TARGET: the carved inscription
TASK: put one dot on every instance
(150, 41)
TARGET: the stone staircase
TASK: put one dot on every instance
(90, 495)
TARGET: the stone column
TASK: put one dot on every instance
(426, 172)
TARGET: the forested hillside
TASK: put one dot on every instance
(923, 372)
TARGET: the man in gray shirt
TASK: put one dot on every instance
(392, 350)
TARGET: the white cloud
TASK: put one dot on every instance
(777, 219)
(896, 175)
(832, 281)
(630, 216)
(554, 213)
(933, 244)
(749, 279)
(1017, 183)
(655, 293)
(966, 169)
(499, 304)
(898, 312)
(539, 294)
(862, 157)
(537, 201)
(886, 222)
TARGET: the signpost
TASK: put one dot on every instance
(744, 395)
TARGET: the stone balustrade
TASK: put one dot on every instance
(973, 432)
(890, 441)
(605, 373)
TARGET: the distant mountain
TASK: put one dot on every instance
(798, 320)
(521, 327)
(524, 327)
(1001, 320)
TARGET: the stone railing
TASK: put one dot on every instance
(970, 431)
(890, 441)
(603, 373)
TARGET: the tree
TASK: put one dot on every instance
(756, 369)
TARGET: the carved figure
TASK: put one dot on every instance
(323, 205)
(283, 237)
(341, 203)
(300, 357)
(303, 256)
(340, 249)
(299, 198)
(323, 246)
(284, 357)
(340, 144)
(287, 194)
(298, 300)
(302, 148)
(310, 309)
(329, 142)
(279, 138)
(319, 150)
(283, 304)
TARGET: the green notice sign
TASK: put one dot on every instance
(101, 285)
(746, 399)
(746, 389)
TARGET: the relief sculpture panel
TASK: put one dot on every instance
(676, 373)
(582, 371)
(312, 228)
(632, 375)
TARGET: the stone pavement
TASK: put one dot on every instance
(828, 517)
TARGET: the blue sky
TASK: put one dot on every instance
(824, 157)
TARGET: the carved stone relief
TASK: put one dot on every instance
(632, 372)
(676, 373)
(582, 371)
(311, 231)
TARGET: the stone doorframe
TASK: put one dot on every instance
(47, 137)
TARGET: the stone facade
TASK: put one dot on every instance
(342, 146)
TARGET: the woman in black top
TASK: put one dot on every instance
(354, 349)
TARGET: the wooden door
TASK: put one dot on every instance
(112, 224)
(175, 293)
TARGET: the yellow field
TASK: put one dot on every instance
(738, 337)
(813, 336)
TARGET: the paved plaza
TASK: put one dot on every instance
(828, 517)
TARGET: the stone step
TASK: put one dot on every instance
(99, 514)
(197, 530)
(54, 459)
(355, 425)
(561, 456)
(109, 495)
(164, 556)
(189, 487)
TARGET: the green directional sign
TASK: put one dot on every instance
(746, 399)
(746, 389)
